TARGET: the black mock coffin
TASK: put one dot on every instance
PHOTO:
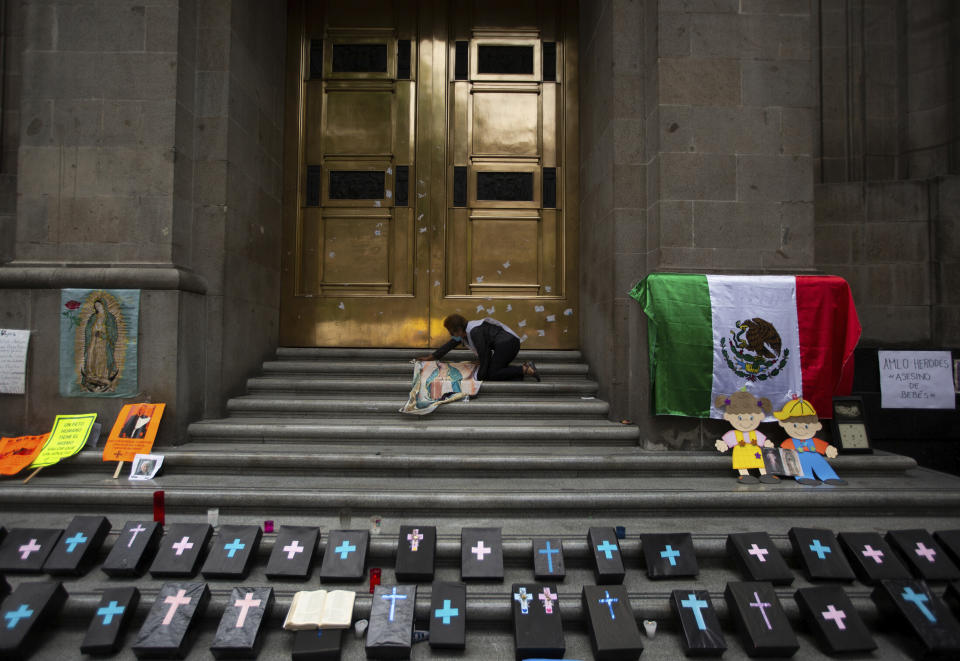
(293, 551)
(548, 559)
(702, 635)
(110, 622)
(232, 552)
(390, 632)
(537, 628)
(950, 541)
(762, 624)
(345, 557)
(827, 611)
(26, 614)
(24, 550)
(871, 557)
(168, 629)
(820, 554)
(240, 633)
(181, 550)
(607, 559)
(911, 606)
(416, 553)
(758, 558)
(134, 548)
(926, 559)
(614, 634)
(79, 546)
(669, 555)
(317, 644)
(448, 616)
(481, 554)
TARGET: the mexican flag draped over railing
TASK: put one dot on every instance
(779, 336)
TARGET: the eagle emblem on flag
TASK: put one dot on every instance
(756, 351)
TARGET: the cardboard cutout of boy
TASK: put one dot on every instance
(745, 412)
(799, 419)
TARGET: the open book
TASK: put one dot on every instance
(320, 609)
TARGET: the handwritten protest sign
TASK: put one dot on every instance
(916, 380)
(18, 453)
(68, 435)
(134, 432)
(13, 360)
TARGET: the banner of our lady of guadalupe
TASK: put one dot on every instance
(98, 342)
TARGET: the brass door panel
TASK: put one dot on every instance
(426, 172)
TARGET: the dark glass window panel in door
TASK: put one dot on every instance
(460, 186)
(357, 185)
(460, 61)
(403, 59)
(316, 58)
(550, 61)
(360, 58)
(505, 59)
(505, 186)
(549, 188)
(402, 184)
(314, 179)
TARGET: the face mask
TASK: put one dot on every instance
(457, 338)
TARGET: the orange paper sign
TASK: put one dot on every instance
(134, 432)
(18, 453)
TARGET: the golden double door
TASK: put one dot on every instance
(431, 159)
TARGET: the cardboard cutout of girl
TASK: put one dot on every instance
(799, 419)
(745, 412)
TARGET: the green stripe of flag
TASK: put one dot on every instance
(679, 327)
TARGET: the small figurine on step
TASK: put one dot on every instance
(799, 419)
(745, 412)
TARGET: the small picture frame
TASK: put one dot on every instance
(145, 466)
(849, 425)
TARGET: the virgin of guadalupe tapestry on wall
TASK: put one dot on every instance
(98, 342)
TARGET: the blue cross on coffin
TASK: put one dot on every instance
(763, 626)
(24, 550)
(820, 554)
(607, 559)
(232, 552)
(910, 605)
(345, 558)
(239, 634)
(835, 622)
(537, 627)
(548, 559)
(871, 557)
(702, 635)
(78, 547)
(293, 552)
(669, 555)
(134, 548)
(26, 614)
(390, 633)
(110, 621)
(448, 616)
(167, 629)
(758, 558)
(613, 627)
(416, 553)
(181, 549)
(926, 559)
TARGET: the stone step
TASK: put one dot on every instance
(393, 384)
(331, 353)
(371, 459)
(414, 429)
(394, 367)
(387, 407)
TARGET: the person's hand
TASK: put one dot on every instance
(831, 452)
(721, 446)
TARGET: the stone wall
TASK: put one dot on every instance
(148, 145)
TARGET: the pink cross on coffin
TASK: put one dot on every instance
(28, 548)
(175, 602)
(548, 599)
(244, 605)
(924, 552)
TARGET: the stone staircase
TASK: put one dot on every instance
(317, 440)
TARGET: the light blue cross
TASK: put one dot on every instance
(75, 541)
(17, 615)
(920, 600)
(820, 549)
(695, 605)
(547, 551)
(233, 547)
(393, 600)
(446, 612)
(609, 601)
(607, 549)
(670, 554)
(345, 549)
(109, 611)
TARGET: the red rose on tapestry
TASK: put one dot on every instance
(72, 305)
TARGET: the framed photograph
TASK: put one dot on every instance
(145, 466)
(850, 425)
